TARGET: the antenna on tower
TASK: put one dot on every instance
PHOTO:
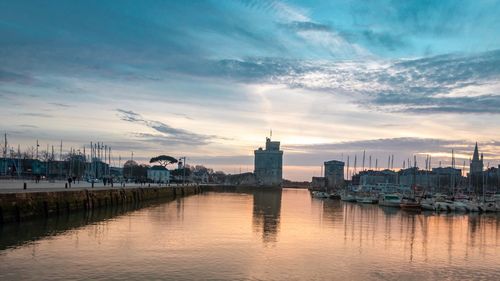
(270, 133)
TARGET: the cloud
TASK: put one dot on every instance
(402, 148)
(60, 104)
(9, 76)
(289, 48)
(306, 26)
(37, 114)
(28, 126)
(376, 39)
(452, 83)
(387, 144)
(165, 134)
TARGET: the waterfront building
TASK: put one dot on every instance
(446, 179)
(116, 172)
(372, 177)
(13, 167)
(442, 179)
(492, 179)
(318, 183)
(269, 164)
(159, 174)
(334, 173)
(244, 179)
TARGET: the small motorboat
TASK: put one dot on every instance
(460, 206)
(348, 197)
(367, 199)
(334, 196)
(488, 206)
(320, 194)
(410, 205)
(389, 200)
(445, 206)
(428, 203)
(472, 206)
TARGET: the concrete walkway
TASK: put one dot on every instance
(16, 186)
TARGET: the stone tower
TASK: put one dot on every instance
(476, 171)
(476, 165)
(269, 164)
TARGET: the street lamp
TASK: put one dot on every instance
(183, 169)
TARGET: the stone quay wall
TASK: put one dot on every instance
(22, 206)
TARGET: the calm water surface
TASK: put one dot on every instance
(255, 236)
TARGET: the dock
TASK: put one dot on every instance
(46, 199)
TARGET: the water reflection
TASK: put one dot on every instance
(254, 235)
(17, 234)
(266, 213)
(420, 236)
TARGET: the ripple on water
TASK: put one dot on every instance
(254, 236)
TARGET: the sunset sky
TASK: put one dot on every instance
(210, 79)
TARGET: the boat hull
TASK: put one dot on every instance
(367, 201)
(395, 204)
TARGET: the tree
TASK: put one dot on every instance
(163, 160)
(132, 170)
(29, 153)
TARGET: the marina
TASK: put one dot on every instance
(249, 140)
(253, 235)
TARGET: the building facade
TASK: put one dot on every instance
(372, 177)
(334, 173)
(269, 164)
(159, 174)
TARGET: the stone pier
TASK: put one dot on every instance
(22, 206)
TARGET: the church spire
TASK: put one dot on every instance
(475, 157)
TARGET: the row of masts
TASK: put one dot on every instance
(407, 163)
(98, 152)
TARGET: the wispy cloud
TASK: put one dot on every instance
(165, 134)
(403, 148)
(37, 114)
(427, 85)
(60, 104)
(388, 144)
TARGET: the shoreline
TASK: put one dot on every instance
(26, 204)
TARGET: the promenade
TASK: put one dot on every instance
(16, 186)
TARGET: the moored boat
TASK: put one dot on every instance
(348, 197)
(488, 206)
(428, 204)
(445, 206)
(389, 200)
(320, 194)
(367, 199)
(460, 206)
(410, 205)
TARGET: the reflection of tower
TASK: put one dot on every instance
(266, 213)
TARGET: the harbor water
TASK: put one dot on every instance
(254, 235)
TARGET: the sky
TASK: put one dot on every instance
(209, 79)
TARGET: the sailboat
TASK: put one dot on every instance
(410, 203)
